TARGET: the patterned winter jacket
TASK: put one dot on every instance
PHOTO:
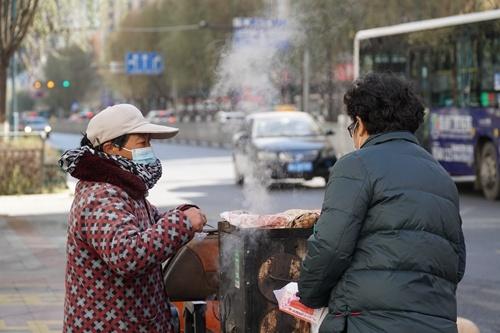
(116, 243)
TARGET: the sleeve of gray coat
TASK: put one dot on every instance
(330, 247)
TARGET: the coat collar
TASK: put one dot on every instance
(390, 136)
(96, 169)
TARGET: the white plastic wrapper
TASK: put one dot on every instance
(288, 302)
(243, 219)
(199, 236)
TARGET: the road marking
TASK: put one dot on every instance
(34, 326)
(481, 223)
(490, 291)
(492, 220)
(486, 305)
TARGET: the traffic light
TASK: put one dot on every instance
(51, 84)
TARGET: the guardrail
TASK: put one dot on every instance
(213, 133)
(203, 133)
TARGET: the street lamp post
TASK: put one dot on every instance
(43, 137)
(305, 81)
(15, 114)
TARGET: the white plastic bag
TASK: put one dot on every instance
(315, 327)
(289, 302)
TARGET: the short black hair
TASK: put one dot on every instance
(119, 142)
(385, 103)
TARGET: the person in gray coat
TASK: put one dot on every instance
(388, 250)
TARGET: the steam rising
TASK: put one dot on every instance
(249, 66)
(250, 70)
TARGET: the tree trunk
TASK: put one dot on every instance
(3, 91)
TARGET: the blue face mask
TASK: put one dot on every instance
(144, 155)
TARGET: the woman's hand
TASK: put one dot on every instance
(196, 217)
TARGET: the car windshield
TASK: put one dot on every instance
(35, 121)
(285, 126)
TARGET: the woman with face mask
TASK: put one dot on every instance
(117, 240)
(388, 250)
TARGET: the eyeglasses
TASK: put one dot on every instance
(351, 128)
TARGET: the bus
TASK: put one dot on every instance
(454, 63)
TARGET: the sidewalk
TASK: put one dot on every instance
(36, 204)
(32, 262)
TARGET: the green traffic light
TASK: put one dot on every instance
(66, 84)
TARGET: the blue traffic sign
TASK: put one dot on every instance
(143, 63)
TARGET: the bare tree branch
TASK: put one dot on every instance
(15, 20)
(13, 28)
(25, 24)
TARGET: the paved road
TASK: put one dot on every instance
(479, 292)
(32, 244)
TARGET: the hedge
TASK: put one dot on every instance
(23, 171)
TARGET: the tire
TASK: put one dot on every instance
(488, 172)
(240, 180)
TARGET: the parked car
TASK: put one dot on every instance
(35, 125)
(161, 116)
(281, 145)
(82, 116)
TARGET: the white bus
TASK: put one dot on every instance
(454, 63)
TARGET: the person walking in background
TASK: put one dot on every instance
(388, 250)
(116, 239)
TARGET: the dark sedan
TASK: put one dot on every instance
(281, 145)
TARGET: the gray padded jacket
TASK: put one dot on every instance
(388, 251)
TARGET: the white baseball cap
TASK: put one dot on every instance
(121, 119)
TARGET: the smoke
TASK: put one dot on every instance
(251, 67)
(255, 191)
(252, 70)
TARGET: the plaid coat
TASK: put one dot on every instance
(116, 243)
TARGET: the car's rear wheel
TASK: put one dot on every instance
(488, 172)
(240, 180)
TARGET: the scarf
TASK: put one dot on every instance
(71, 160)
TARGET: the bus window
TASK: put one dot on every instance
(384, 55)
(367, 64)
(490, 66)
(443, 85)
(467, 70)
(419, 71)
